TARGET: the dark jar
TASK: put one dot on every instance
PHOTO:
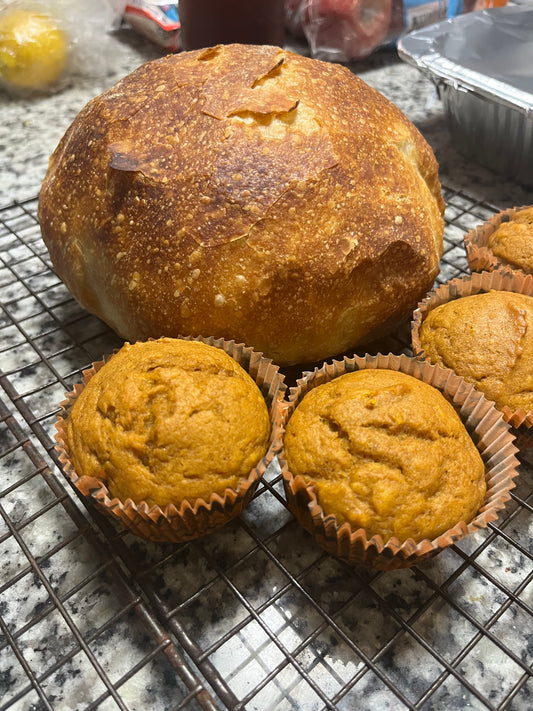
(205, 23)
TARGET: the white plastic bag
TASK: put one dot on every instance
(345, 30)
(43, 45)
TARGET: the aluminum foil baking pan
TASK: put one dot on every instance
(482, 65)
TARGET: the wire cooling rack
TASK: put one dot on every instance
(252, 617)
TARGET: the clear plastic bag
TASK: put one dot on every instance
(43, 45)
(340, 30)
(345, 30)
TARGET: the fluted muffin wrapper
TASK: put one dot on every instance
(478, 253)
(184, 520)
(486, 426)
(500, 280)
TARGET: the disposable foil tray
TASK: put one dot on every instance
(482, 65)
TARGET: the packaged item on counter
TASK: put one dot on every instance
(44, 45)
(345, 30)
(158, 21)
(340, 30)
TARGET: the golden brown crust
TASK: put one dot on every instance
(387, 453)
(166, 421)
(487, 338)
(244, 192)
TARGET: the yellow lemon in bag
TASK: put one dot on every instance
(33, 51)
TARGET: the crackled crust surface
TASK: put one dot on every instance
(388, 453)
(249, 193)
(513, 240)
(488, 339)
(168, 420)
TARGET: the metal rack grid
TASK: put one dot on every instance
(254, 616)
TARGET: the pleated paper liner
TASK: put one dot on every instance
(499, 280)
(183, 520)
(478, 253)
(486, 426)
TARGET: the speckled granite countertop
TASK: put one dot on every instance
(256, 617)
(31, 128)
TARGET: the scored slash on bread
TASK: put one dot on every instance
(249, 193)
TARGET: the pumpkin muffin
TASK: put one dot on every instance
(168, 420)
(504, 241)
(487, 338)
(512, 242)
(385, 452)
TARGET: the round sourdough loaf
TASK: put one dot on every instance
(249, 193)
